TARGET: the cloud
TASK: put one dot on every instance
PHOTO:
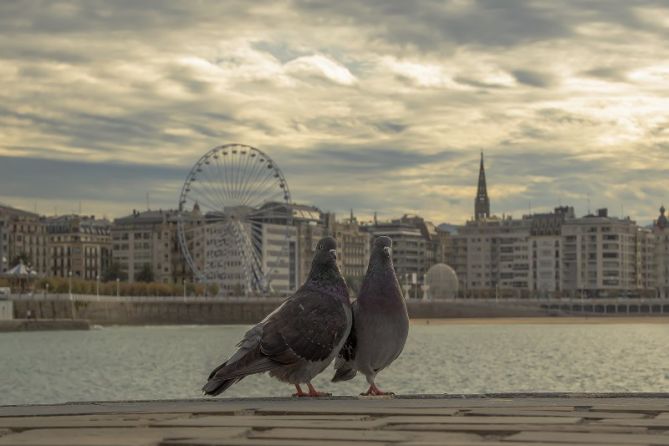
(105, 188)
(384, 106)
(616, 74)
(533, 78)
(320, 66)
(419, 74)
(439, 24)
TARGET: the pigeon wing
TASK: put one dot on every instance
(345, 362)
(308, 326)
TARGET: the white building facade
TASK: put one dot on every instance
(600, 257)
(556, 254)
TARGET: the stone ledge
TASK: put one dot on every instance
(504, 419)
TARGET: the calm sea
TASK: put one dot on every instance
(126, 363)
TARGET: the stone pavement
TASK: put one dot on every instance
(504, 419)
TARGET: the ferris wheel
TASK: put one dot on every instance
(234, 219)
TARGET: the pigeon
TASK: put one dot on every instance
(380, 322)
(299, 339)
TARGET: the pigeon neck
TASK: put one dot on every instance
(380, 283)
(327, 279)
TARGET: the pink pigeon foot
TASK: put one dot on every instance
(299, 393)
(375, 391)
(315, 393)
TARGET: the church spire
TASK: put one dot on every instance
(662, 221)
(481, 203)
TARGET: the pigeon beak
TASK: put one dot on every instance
(387, 250)
(334, 253)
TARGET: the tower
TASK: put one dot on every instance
(661, 222)
(481, 202)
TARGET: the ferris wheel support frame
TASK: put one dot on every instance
(240, 194)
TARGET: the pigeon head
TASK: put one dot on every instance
(380, 280)
(324, 272)
(326, 253)
(383, 248)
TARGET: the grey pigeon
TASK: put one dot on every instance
(299, 339)
(380, 321)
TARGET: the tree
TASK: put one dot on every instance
(114, 272)
(21, 258)
(213, 289)
(145, 275)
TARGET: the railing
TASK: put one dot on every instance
(92, 297)
(241, 299)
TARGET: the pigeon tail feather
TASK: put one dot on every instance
(229, 373)
(217, 386)
(344, 373)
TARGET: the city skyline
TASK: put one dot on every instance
(104, 103)
(77, 209)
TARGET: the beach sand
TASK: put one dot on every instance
(557, 320)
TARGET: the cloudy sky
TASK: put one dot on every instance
(376, 105)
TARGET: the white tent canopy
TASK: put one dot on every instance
(20, 271)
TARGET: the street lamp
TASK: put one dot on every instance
(184, 290)
(69, 276)
(118, 287)
(406, 287)
(97, 286)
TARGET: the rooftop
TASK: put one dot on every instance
(14, 212)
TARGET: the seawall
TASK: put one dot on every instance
(142, 312)
(167, 311)
(107, 310)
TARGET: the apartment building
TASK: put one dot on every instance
(555, 253)
(492, 255)
(660, 249)
(309, 232)
(279, 257)
(23, 236)
(510, 257)
(546, 250)
(353, 247)
(600, 256)
(545, 255)
(151, 238)
(4, 261)
(78, 245)
(417, 245)
(311, 225)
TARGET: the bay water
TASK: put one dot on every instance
(171, 362)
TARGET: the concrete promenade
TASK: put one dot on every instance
(503, 419)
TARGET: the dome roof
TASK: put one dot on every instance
(443, 282)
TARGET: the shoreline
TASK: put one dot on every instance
(14, 325)
(544, 320)
(18, 325)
